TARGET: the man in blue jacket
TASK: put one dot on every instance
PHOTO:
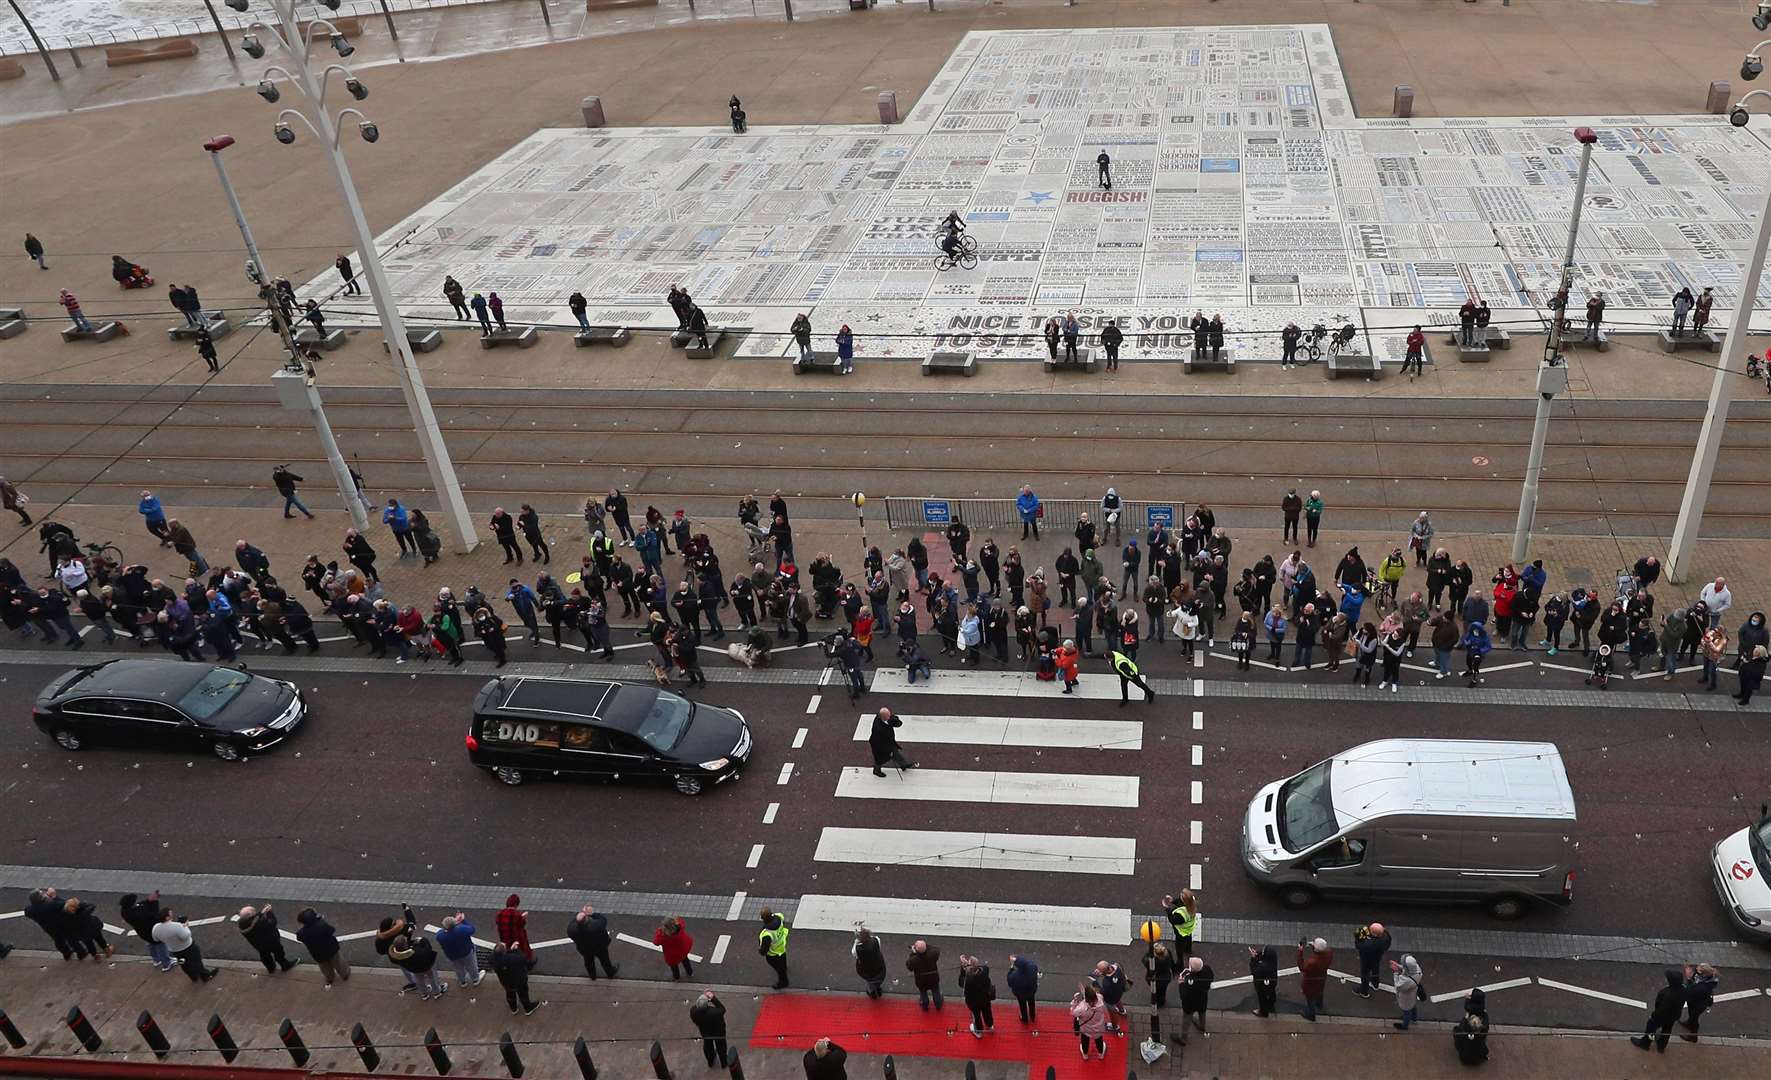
(456, 941)
(1027, 504)
(154, 515)
(524, 601)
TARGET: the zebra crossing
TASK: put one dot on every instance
(1070, 805)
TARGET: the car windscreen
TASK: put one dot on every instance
(212, 693)
(664, 723)
(1306, 809)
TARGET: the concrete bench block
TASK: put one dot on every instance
(605, 335)
(219, 327)
(1197, 360)
(1473, 354)
(350, 25)
(424, 340)
(592, 108)
(10, 69)
(1354, 363)
(888, 107)
(330, 341)
(11, 313)
(696, 352)
(951, 363)
(1719, 96)
(612, 5)
(522, 337)
(818, 361)
(680, 339)
(1402, 103)
(103, 331)
(11, 328)
(147, 53)
(1689, 340)
(1085, 361)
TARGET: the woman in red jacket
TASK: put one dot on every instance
(673, 937)
(1504, 594)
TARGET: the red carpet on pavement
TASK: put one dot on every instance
(898, 1026)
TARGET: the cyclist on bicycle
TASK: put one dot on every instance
(1389, 575)
(954, 223)
(950, 230)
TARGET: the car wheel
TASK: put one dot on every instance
(508, 775)
(1506, 907)
(67, 740)
(689, 785)
(226, 751)
(1298, 896)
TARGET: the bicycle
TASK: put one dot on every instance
(967, 243)
(965, 260)
(105, 560)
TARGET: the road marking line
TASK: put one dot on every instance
(1198, 792)
(1195, 832)
(359, 935)
(958, 785)
(1508, 667)
(1344, 977)
(979, 850)
(1486, 988)
(4, 915)
(1584, 992)
(737, 907)
(756, 857)
(1239, 980)
(994, 684)
(812, 705)
(786, 773)
(1198, 687)
(824, 678)
(549, 944)
(799, 737)
(631, 940)
(1198, 754)
(1737, 995)
(966, 919)
(1199, 658)
(719, 949)
(118, 930)
(1198, 720)
(1195, 877)
(211, 920)
(1037, 731)
(1270, 665)
(1422, 667)
(769, 814)
(1564, 667)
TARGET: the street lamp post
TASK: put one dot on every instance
(1552, 375)
(48, 61)
(295, 383)
(288, 34)
(1715, 418)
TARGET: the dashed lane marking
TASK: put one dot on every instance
(786, 773)
(980, 850)
(959, 785)
(812, 705)
(1198, 754)
(756, 857)
(1195, 832)
(737, 907)
(1508, 667)
(641, 942)
(1198, 720)
(1013, 731)
(1737, 995)
(1198, 687)
(769, 814)
(799, 737)
(1486, 988)
(1195, 877)
(719, 949)
(1198, 792)
(996, 684)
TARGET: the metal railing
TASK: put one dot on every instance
(907, 512)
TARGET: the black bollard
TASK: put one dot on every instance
(439, 1054)
(659, 1068)
(218, 1033)
(891, 1069)
(1051, 1072)
(292, 1042)
(152, 1035)
(11, 1031)
(971, 1071)
(365, 1049)
(733, 1065)
(581, 1053)
(513, 1061)
(83, 1030)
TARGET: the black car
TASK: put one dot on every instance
(178, 706)
(524, 728)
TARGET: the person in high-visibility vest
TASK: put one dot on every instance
(773, 945)
(1128, 676)
(1183, 915)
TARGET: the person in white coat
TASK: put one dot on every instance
(1408, 990)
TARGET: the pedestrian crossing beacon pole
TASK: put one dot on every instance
(1552, 376)
(1715, 418)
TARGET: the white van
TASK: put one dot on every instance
(1740, 867)
(1456, 820)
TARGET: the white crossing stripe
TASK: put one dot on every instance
(1346, 978)
(359, 935)
(980, 850)
(1737, 995)
(4, 915)
(1198, 754)
(769, 814)
(642, 943)
(756, 857)
(1507, 667)
(958, 785)
(432, 928)
(551, 943)
(1486, 988)
(1013, 731)
(1584, 992)
(1195, 832)
(998, 684)
(719, 949)
(737, 907)
(1198, 720)
(1198, 687)
(966, 919)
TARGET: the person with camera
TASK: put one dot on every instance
(1371, 943)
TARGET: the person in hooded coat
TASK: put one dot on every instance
(1469, 1038)
(883, 741)
(1023, 982)
(1669, 1003)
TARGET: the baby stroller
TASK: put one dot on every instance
(1601, 673)
(759, 541)
(129, 275)
(1626, 584)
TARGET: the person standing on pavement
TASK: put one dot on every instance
(1469, 1037)
(924, 965)
(801, 329)
(1408, 990)
(1088, 1017)
(512, 970)
(85, 928)
(708, 1014)
(1371, 943)
(176, 936)
(974, 981)
(513, 927)
(673, 939)
(530, 524)
(456, 940)
(1110, 979)
(259, 927)
(1752, 674)
(1196, 979)
(1111, 338)
(1028, 506)
(1023, 982)
(11, 498)
(1700, 994)
(72, 303)
(1159, 972)
(1183, 916)
(1313, 507)
(589, 933)
(845, 351)
(772, 944)
(343, 265)
(1313, 960)
(824, 1061)
(1263, 972)
(496, 304)
(322, 944)
(34, 251)
(44, 908)
(142, 914)
(1669, 1004)
(457, 297)
(870, 961)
